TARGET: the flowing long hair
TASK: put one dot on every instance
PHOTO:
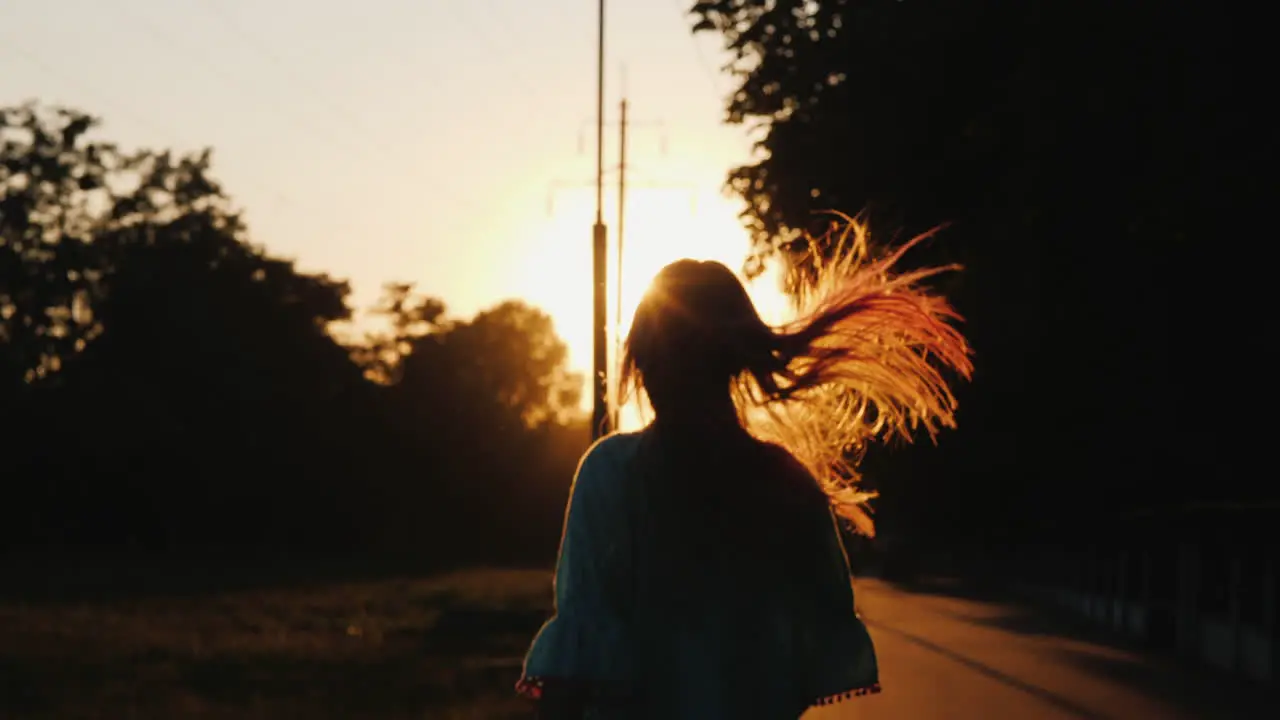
(866, 360)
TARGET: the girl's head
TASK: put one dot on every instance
(695, 331)
(864, 360)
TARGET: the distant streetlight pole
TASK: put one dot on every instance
(599, 260)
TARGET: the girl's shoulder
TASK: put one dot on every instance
(613, 448)
(603, 463)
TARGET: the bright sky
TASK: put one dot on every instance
(447, 144)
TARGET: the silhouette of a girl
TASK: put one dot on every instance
(701, 572)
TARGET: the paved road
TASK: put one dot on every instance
(944, 656)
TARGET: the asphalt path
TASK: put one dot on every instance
(946, 655)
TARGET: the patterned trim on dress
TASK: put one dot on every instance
(848, 695)
(530, 687)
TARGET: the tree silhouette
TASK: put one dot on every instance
(409, 316)
(506, 362)
(1083, 154)
(490, 405)
(169, 385)
(53, 183)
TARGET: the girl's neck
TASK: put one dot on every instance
(719, 416)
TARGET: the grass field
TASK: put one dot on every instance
(447, 647)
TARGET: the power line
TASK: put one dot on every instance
(663, 138)
(557, 186)
(217, 69)
(35, 61)
(514, 70)
(712, 77)
(232, 23)
(161, 37)
(119, 110)
(354, 126)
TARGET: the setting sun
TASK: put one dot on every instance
(662, 226)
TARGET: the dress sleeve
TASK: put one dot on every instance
(585, 643)
(841, 660)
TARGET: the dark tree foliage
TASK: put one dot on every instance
(166, 385)
(1104, 171)
(495, 398)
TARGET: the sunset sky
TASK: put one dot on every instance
(446, 144)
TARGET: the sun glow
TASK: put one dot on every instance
(661, 226)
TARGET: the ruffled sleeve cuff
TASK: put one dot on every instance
(845, 665)
(587, 652)
(871, 689)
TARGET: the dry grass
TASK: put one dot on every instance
(446, 647)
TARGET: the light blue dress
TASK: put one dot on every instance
(739, 653)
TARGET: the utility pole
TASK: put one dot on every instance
(605, 415)
(622, 205)
(599, 260)
(625, 184)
